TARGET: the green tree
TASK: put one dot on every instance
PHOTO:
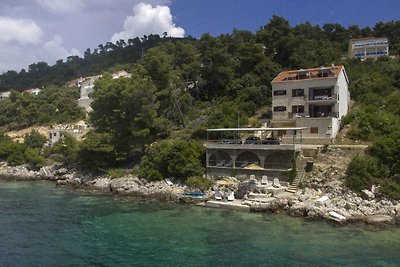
(96, 152)
(68, 148)
(33, 158)
(170, 158)
(35, 140)
(125, 109)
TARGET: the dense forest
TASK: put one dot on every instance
(180, 87)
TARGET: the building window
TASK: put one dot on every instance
(314, 130)
(297, 92)
(297, 109)
(280, 108)
(279, 92)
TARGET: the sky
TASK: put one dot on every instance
(48, 30)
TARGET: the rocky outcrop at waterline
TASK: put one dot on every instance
(330, 201)
(125, 186)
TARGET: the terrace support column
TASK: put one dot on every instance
(233, 158)
(262, 160)
(208, 155)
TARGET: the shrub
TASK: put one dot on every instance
(6, 146)
(200, 182)
(360, 172)
(34, 139)
(33, 158)
(173, 158)
(390, 188)
(96, 152)
(67, 147)
(116, 173)
(16, 157)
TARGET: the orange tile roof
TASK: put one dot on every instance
(310, 74)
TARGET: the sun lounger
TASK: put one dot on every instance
(322, 199)
(337, 216)
(253, 179)
(168, 181)
(217, 195)
(231, 196)
(276, 183)
(264, 180)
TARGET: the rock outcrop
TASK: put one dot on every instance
(126, 186)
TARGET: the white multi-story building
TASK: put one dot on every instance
(314, 98)
(368, 47)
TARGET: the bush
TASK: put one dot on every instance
(117, 173)
(67, 147)
(390, 188)
(170, 158)
(35, 140)
(96, 152)
(360, 172)
(33, 158)
(200, 182)
(16, 157)
(6, 146)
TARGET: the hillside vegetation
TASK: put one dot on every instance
(180, 87)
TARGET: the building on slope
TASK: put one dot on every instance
(370, 47)
(314, 98)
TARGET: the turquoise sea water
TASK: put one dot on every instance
(45, 225)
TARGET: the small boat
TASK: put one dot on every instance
(192, 197)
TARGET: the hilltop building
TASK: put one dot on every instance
(313, 98)
(33, 91)
(5, 95)
(368, 47)
(121, 74)
(74, 83)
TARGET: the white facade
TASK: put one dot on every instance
(5, 95)
(86, 87)
(368, 47)
(313, 98)
(33, 91)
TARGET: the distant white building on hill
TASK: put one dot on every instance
(33, 91)
(5, 95)
(121, 74)
(314, 98)
(370, 47)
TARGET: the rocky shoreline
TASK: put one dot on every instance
(125, 186)
(333, 203)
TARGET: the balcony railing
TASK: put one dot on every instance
(324, 97)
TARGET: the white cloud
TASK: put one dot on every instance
(19, 30)
(62, 6)
(148, 20)
(17, 57)
(54, 50)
